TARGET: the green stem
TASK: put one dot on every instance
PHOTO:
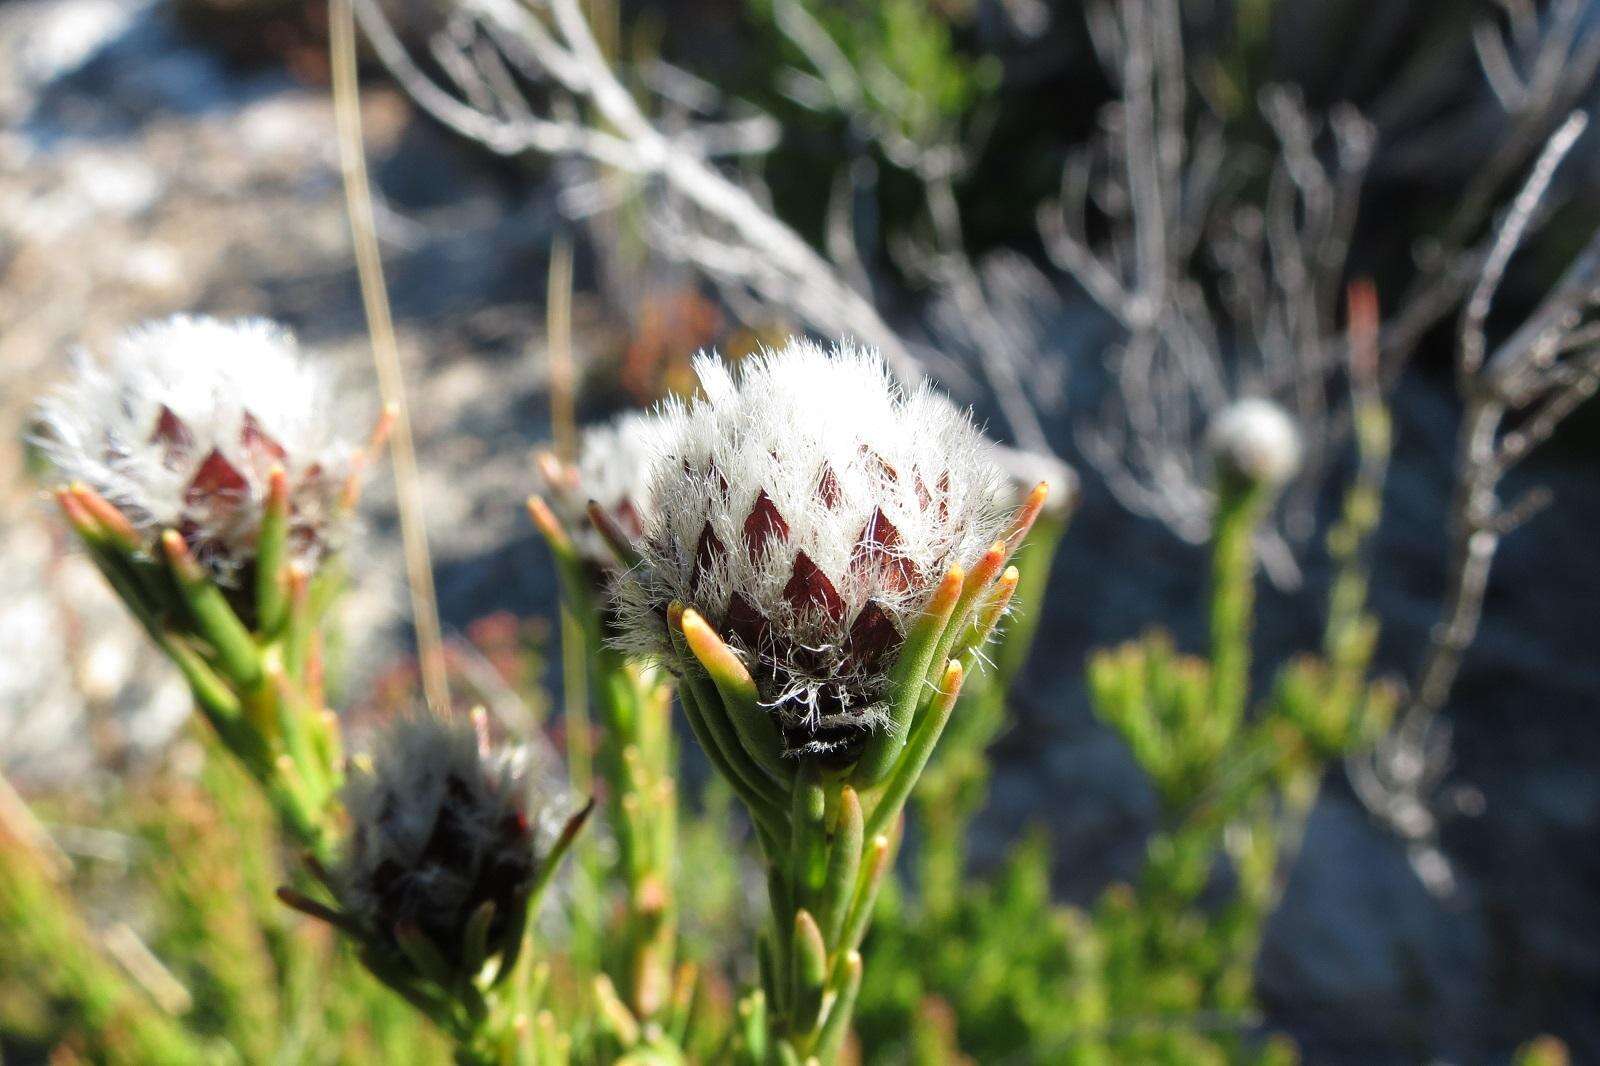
(1233, 563)
(580, 770)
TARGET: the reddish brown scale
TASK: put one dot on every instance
(743, 621)
(215, 496)
(763, 525)
(708, 551)
(924, 497)
(834, 745)
(722, 482)
(304, 533)
(189, 530)
(944, 496)
(211, 553)
(173, 434)
(809, 587)
(878, 554)
(884, 465)
(258, 445)
(872, 637)
(828, 490)
(216, 477)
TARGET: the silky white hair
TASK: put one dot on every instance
(1257, 440)
(216, 379)
(882, 488)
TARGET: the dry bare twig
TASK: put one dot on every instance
(1514, 397)
(386, 359)
(737, 239)
(1164, 183)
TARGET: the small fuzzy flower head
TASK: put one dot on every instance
(808, 506)
(613, 470)
(441, 823)
(181, 425)
(1025, 469)
(1254, 441)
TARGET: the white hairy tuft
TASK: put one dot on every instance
(1256, 440)
(241, 390)
(806, 461)
(439, 821)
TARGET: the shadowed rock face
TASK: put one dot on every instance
(149, 177)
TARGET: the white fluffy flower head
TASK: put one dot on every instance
(1256, 440)
(181, 424)
(440, 822)
(612, 469)
(808, 506)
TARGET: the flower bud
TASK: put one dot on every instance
(1254, 441)
(183, 426)
(613, 470)
(444, 843)
(808, 508)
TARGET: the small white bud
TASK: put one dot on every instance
(1255, 441)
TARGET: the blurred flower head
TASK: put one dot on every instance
(1255, 441)
(181, 425)
(808, 506)
(441, 824)
(612, 469)
(1024, 470)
